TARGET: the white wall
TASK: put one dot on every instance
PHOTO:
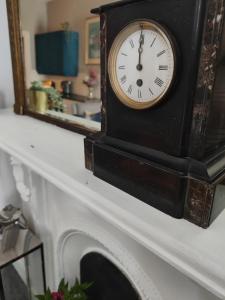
(34, 20)
(6, 79)
(8, 192)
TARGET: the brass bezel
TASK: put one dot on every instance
(123, 34)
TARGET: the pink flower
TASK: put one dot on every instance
(92, 79)
(57, 296)
(93, 74)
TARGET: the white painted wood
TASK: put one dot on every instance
(57, 156)
(19, 178)
(95, 239)
(8, 192)
(79, 120)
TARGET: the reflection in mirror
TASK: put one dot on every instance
(61, 53)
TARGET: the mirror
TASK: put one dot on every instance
(56, 60)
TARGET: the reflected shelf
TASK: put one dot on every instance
(74, 119)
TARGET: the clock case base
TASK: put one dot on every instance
(179, 187)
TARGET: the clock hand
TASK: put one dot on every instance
(140, 50)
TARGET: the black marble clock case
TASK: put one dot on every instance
(171, 156)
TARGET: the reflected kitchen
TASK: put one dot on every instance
(61, 53)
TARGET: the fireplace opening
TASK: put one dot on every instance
(109, 283)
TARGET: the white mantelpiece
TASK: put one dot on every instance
(74, 212)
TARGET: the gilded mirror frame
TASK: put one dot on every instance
(20, 106)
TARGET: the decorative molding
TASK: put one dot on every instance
(104, 243)
(18, 174)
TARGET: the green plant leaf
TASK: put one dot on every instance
(36, 86)
(48, 295)
(61, 286)
(86, 285)
(40, 297)
(78, 290)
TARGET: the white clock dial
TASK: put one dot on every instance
(142, 64)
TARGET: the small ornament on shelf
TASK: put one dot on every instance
(11, 221)
(91, 81)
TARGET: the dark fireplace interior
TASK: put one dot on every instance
(109, 283)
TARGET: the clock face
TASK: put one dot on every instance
(142, 64)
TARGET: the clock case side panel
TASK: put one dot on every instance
(91, 139)
(204, 201)
(208, 130)
(207, 141)
(103, 37)
(215, 131)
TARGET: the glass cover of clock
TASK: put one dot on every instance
(142, 64)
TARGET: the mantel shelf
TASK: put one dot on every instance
(58, 156)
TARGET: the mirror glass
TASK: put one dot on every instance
(61, 53)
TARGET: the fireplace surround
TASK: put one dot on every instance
(76, 214)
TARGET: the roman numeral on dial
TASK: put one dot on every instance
(123, 79)
(122, 67)
(159, 82)
(163, 68)
(151, 92)
(153, 42)
(132, 43)
(130, 89)
(161, 53)
(139, 94)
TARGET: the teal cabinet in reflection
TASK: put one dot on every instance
(57, 53)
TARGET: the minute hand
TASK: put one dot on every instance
(140, 51)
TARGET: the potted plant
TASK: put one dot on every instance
(40, 96)
(76, 292)
(56, 101)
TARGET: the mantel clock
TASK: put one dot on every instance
(163, 92)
